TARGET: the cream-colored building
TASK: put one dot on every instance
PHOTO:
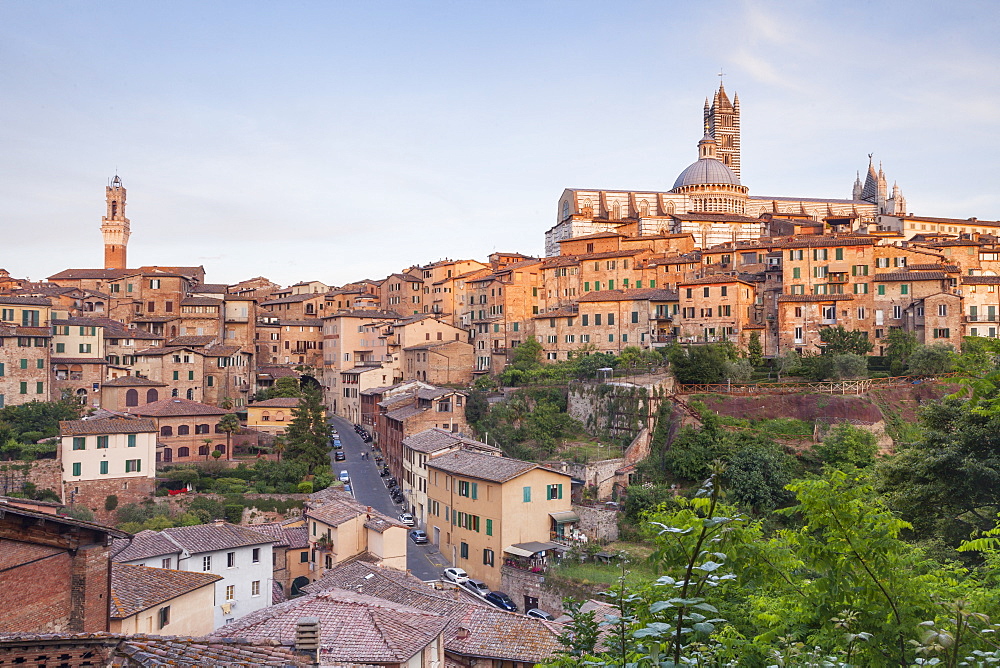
(271, 416)
(107, 456)
(480, 506)
(340, 528)
(423, 446)
(354, 341)
(161, 601)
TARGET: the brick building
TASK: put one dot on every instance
(188, 430)
(56, 572)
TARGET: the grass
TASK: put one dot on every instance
(592, 450)
(775, 428)
(590, 573)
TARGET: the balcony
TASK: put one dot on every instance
(837, 278)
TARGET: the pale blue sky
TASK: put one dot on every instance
(335, 141)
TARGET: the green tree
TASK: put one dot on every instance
(931, 360)
(900, 344)
(288, 386)
(847, 445)
(528, 355)
(756, 475)
(755, 350)
(841, 341)
(702, 364)
(229, 424)
(307, 436)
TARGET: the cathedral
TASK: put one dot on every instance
(707, 199)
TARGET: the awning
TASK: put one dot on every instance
(530, 549)
(564, 517)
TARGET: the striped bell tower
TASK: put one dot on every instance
(722, 119)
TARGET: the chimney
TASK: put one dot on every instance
(307, 637)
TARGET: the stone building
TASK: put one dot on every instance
(188, 430)
(115, 226)
(439, 362)
(25, 336)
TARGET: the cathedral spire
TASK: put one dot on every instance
(722, 123)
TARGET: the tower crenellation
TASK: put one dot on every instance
(115, 226)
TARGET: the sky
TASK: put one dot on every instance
(336, 141)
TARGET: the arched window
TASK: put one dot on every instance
(132, 398)
(279, 416)
(166, 431)
(114, 208)
(173, 330)
(201, 429)
(168, 455)
(221, 448)
(203, 450)
(174, 392)
(265, 416)
(152, 395)
(190, 393)
(183, 430)
(616, 211)
(183, 452)
(565, 211)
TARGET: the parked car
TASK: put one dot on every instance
(501, 600)
(477, 587)
(337, 445)
(418, 536)
(345, 477)
(347, 488)
(538, 613)
(339, 456)
(456, 575)
(407, 519)
(358, 428)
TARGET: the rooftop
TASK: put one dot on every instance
(138, 588)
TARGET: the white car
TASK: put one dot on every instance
(345, 477)
(407, 519)
(456, 575)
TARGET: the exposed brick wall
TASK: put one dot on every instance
(90, 584)
(36, 589)
(45, 473)
(92, 494)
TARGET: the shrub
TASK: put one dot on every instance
(305, 487)
(111, 502)
(233, 513)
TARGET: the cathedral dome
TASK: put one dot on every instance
(707, 171)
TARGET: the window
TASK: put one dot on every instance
(104, 467)
(39, 387)
(635, 316)
(76, 468)
(489, 527)
(177, 375)
(304, 557)
(230, 592)
(84, 347)
(487, 557)
(904, 289)
(881, 262)
(102, 442)
(553, 492)
(861, 288)
(206, 563)
(154, 284)
(526, 494)
(798, 335)
(881, 290)
(838, 254)
(131, 440)
(79, 442)
(165, 563)
(464, 550)
(163, 616)
(255, 588)
(897, 312)
(943, 333)
(942, 310)
(135, 465)
(230, 560)
(60, 347)
(190, 375)
(23, 387)
(24, 363)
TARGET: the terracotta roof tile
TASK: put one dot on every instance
(215, 536)
(138, 588)
(435, 439)
(353, 627)
(172, 406)
(143, 545)
(278, 402)
(981, 280)
(911, 276)
(119, 425)
(483, 467)
(815, 298)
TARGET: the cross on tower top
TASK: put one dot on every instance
(720, 75)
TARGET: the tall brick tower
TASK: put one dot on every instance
(722, 121)
(114, 226)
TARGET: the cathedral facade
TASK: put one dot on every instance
(707, 199)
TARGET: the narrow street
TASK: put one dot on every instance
(422, 560)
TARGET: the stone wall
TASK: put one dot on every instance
(517, 584)
(600, 474)
(93, 494)
(44, 473)
(600, 524)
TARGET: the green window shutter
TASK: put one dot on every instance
(39, 387)
(131, 440)
(76, 468)
(138, 466)
(489, 527)
(796, 272)
(40, 364)
(838, 254)
(611, 285)
(560, 491)
(638, 285)
(60, 347)
(177, 375)
(548, 492)
(586, 286)
(24, 363)
(652, 284)
(635, 316)
(881, 289)
(475, 490)
(526, 494)
(465, 550)
(190, 375)
(79, 442)
(104, 467)
(904, 289)
(1, 368)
